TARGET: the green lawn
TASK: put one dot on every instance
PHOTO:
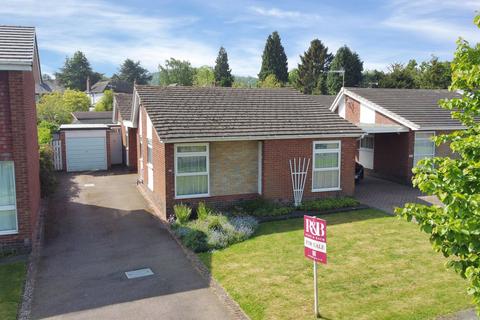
(12, 277)
(379, 268)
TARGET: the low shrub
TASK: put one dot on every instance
(219, 231)
(262, 208)
(203, 211)
(182, 212)
(328, 204)
(48, 181)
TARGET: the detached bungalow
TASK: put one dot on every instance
(222, 145)
(19, 163)
(399, 123)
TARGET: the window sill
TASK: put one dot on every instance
(193, 196)
(327, 189)
(8, 232)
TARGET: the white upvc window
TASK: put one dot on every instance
(8, 199)
(424, 146)
(326, 166)
(192, 170)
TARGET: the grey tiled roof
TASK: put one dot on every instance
(194, 113)
(115, 85)
(123, 102)
(324, 99)
(93, 117)
(17, 45)
(419, 106)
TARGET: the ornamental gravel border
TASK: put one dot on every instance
(217, 289)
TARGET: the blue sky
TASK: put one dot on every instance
(381, 32)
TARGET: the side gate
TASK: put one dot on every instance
(57, 154)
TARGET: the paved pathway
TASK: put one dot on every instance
(98, 229)
(386, 195)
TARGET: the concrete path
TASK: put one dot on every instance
(99, 228)
(386, 195)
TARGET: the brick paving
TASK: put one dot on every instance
(386, 195)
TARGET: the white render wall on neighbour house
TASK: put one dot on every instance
(341, 108)
(367, 115)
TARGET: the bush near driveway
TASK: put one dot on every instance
(12, 277)
(379, 267)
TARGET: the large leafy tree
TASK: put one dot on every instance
(313, 67)
(204, 77)
(372, 78)
(274, 59)
(56, 107)
(75, 71)
(176, 72)
(270, 82)
(223, 73)
(454, 227)
(400, 76)
(349, 61)
(434, 74)
(131, 71)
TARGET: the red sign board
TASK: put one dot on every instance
(315, 238)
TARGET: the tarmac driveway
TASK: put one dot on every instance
(98, 228)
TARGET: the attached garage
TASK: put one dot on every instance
(86, 147)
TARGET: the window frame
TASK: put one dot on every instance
(423, 139)
(339, 166)
(205, 153)
(11, 207)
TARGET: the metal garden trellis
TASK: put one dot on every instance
(298, 172)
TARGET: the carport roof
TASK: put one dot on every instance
(181, 113)
(84, 126)
(417, 108)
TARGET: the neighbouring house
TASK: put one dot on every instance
(399, 124)
(122, 113)
(96, 91)
(95, 117)
(222, 145)
(19, 156)
(48, 86)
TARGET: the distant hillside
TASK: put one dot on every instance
(249, 82)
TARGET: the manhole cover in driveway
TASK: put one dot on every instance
(139, 273)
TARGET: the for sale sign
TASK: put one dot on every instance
(315, 238)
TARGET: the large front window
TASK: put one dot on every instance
(191, 170)
(8, 208)
(424, 146)
(326, 166)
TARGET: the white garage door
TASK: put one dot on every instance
(86, 151)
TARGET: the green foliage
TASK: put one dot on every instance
(203, 211)
(400, 76)
(106, 102)
(131, 71)
(56, 107)
(434, 74)
(244, 82)
(194, 239)
(270, 82)
(454, 228)
(45, 130)
(76, 70)
(312, 69)
(176, 72)
(48, 182)
(293, 78)
(182, 212)
(345, 59)
(204, 77)
(223, 73)
(274, 60)
(262, 208)
(372, 78)
(329, 204)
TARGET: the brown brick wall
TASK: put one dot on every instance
(18, 142)
(233, 167)
(276, 180)
(352, 110)
(381, 119)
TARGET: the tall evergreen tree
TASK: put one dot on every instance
(223, 73)
(73, 75)
(313, 67)
(131, 71)
(274, 59)
(349, 61)
(400, 76)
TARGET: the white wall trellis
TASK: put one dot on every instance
(298, 171)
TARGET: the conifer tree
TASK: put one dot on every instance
(274, 59)
(222, 71)
(312, 69)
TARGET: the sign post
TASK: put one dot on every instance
(315, 242)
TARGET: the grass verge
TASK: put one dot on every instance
(379, 268)
(12, 277)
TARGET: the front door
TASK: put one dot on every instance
(366, 151)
